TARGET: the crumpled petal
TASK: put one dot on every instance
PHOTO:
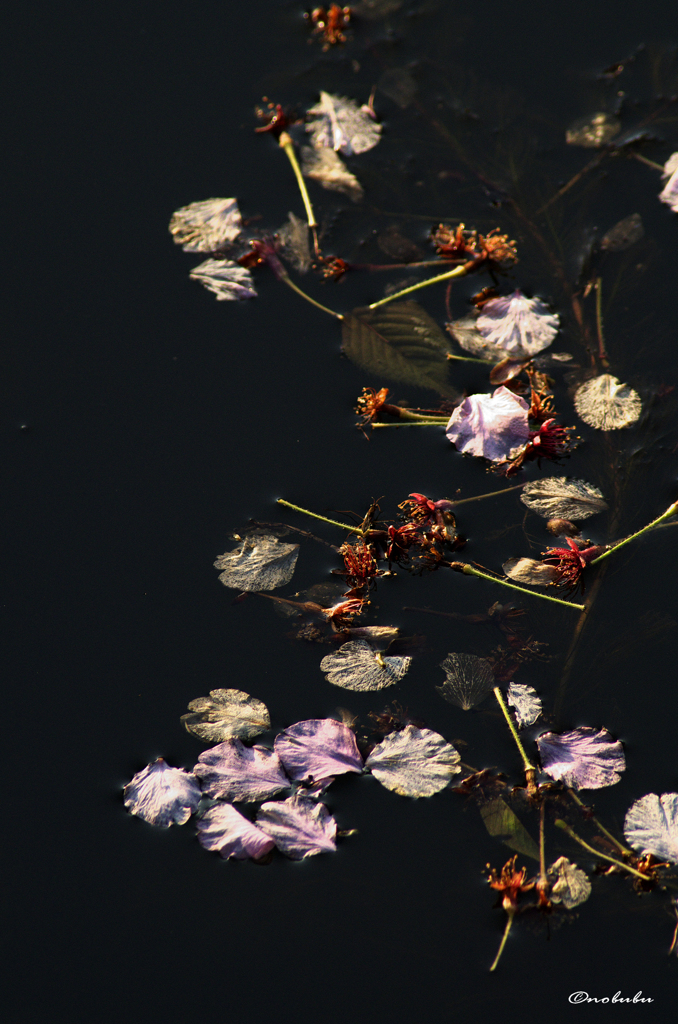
(569, 884)
(162, 795)
(226, 714)
(358, 666)
(226, 279)
(414, 762)
(232, 771)
(339, 124)
(260, 563)
(651, 826)
(517, 324)
(525, 702)
(669, 194)
(317, 749)
(585, 758)
(468, 681)
(489, 426)
(298, 826)
(225, 829)
(561, 497)
(207, 225)
(605, 404)
(329, 170)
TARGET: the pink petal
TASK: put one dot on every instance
(584, 758)
(224, 829)
(232, 771)
(299, 827)
(489, 426)
(517, 324)
(317, 749)
(162, 795)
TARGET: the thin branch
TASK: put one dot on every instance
(507, 929)
(490, 494)
(602, 353)
(620, 846)
(573, 181)
(527, 765)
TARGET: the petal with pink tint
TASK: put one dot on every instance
(317, 749)
(489, 426)
(585, 758)
(298, 826)
(232, 771)
(224, 829)
(517, 324)
(162, 795)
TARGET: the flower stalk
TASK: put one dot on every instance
(530, 770)
(323, 519)
(457, 272)
(287, 145)
(596, 853)
(510, 914)
(671, 511)
(469, 570)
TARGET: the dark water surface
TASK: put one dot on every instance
(143, 421)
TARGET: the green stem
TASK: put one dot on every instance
(324, 519)
(671, 511)
(469, 359)
(413, 423)
(644, 160)
(601, 828)
(596, 853)
(295, 288)
(602, 353)
(507, 929)
(468, 570)
(543, 878)
(457, 272)
(288, 146)
(405, 414)
(490, 494)
(528, 766)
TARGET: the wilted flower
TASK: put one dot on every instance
(400, 539)
(669, 194)
(517, 324)
(343, 613)
(276, 120)
(419, 507)
(551, 441)
(370, 404)
(470, 247)
(330, 23)
(510, 882)
(570, 562)
(360, 566)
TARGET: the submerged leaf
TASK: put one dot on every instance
(232, 771)
(517, 324)
(358, 666)
(651, 826)
(606, 404)
(525, 702)
(569, 884)
(162, 795)
(330, 171)
(319, 748)
(399, 341)
(226, 714)
(561, 497)
(529, 570)
(341, 125)
(260, 563)
(225, 829)
(593, 131)
(414, 762)
(293, 237)
(469, 680)
(298, 826)
(624, 234)
(500, 821)
(226, 279)
(466, 333)
(669, 194)
(489, 426)
(583, 759)
(206, 226)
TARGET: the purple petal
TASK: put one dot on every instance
(489, 425)
(299, 827)
(232, 771)
(224, 829)
(317, 749)
(669, 194)
(583, 758)
(162, 795)
(517, 324)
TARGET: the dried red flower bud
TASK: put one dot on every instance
(330, 23)
(276, 119)
(332, 267)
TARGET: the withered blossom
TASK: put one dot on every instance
(462, 246)
(517, 324)
(570, 562)
(330, 23)
(510, 882)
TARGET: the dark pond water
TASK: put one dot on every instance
(143, 422)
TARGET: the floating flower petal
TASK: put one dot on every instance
(517, 324)
(489, 425)
(162, 795)
(225, 829)
(606, 404)
(593, 130)
(206, 226)
(232, 771)
(226, 279)
(414, 762)
(569, 884)
(341, 125)
(330, 171)
(226, 714)
(669, 194)
(559, 497)
(298, 826)
(529, 570)
(525, 702)
(358, 666)
(469, 680)
(651, 826)
(317, 749)
(624, 234)
(583, 759)
(260, 563)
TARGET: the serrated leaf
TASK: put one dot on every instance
(469, 680)
(414, 762)
(399, 341)
(500, 821)
(651, 826)
(606, 404)
(358, 666)
(569, 884)
(261, 562)
(560, 497)
(226, 714)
